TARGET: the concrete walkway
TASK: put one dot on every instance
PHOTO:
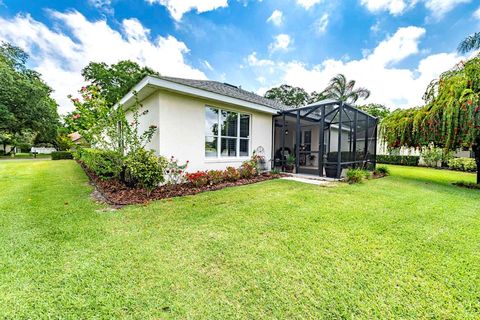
(317, 182)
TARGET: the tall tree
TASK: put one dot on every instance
(288, 95)
(450, 119)
(26, 108)
(470, 43)
(376, 110)
(343, 90)
(115, 80)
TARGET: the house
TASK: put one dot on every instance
(214, 125)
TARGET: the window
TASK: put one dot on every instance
(227, 133)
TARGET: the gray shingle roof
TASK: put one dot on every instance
(227, 90)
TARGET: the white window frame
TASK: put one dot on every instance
(237, 138)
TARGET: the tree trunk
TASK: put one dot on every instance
(476, 153)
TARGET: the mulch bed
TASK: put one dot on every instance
(116, 193)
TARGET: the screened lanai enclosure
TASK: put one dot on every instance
(324, 139)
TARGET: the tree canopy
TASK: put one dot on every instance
(288, 95)
(470, 43)
(450, 118)
(115, 80)
(375, 109)
(27, 111)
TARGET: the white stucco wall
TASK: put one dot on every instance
(150, 105)
(181, 129)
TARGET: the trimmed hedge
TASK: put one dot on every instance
(61, 155)
(400, 160)
(462, 164)
(105, 164)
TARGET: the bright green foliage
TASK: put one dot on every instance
(432, 156)
(272, 250)
(27, 112)
(356, 175)
(375, 109)
(451, 117)
(145, 169)
(462, 164)
(115, 80)
(61, 155)
(384, 170)
(288, 95)
(106, 164)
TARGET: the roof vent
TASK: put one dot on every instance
(230, 85)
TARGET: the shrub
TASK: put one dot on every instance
(231, 174)
(462, 164)
(61, 155)
(275, 171)
(400, 160)
(104, 163)
(198, 179)
(174, 172)
(431, 156)
(382, 170)
(215, 176)
(356, 175)
(145, 169)
(248, 169)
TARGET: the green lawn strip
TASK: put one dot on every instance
(405, 246)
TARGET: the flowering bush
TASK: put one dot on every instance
(215, 176)
(231, 174)
(198, 179)
(174, 172)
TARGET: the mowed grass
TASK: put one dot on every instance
(405, 246)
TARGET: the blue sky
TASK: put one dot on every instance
(393, 47)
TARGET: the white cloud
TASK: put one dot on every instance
(281, 43)
(60, 57)
(476, 14)
(438, 8)
(307, 4)
(276, 18)
(178, 8)
(392, 86)
(254, 61)
(207, 65)
(102, 5)
(321, 24)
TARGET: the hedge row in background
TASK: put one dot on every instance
(61, 155)
(400, 160)
(462, 164)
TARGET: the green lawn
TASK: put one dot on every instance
(406, 246)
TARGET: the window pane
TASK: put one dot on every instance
(244, 126)
(211, 121)
(229, 123)
(211, 147)
(244, 143)
(229, 147)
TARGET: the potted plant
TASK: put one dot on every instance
(331, 168)
(290, 163)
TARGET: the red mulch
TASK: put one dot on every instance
(117, 193)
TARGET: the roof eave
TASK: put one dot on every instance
(150, 81)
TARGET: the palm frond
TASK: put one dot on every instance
(470, 43)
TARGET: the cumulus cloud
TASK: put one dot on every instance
(178, 8)
(390, 85)
(276, 18)
(307, 4)
(59, 54)
(281, 42)
(438, 8)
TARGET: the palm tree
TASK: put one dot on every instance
(341, 89)
(470, 43)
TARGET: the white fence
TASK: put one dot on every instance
(43, 150)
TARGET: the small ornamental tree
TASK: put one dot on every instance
(450, 119)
